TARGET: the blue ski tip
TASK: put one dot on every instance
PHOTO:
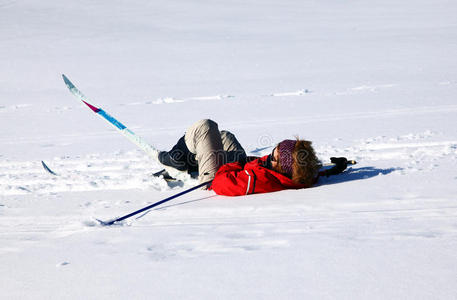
(67, 81)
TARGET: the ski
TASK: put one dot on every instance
(48, 169)
(130, 135)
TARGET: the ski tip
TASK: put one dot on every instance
(105, 223)
(114, 221)
(66, 80)
(48, 169)
(68, 83)
(352, 162)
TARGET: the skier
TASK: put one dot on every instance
(218, 156)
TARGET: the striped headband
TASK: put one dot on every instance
(286, 148)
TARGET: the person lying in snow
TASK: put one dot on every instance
(218, 156)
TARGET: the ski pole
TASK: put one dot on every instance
(111, 222)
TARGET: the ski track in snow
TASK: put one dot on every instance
(368, 88)
(362, 89)
(296, 93)
(131, 170)
(14, 108)
(221, 231)
(172, 100)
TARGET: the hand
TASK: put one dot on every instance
(341, 164)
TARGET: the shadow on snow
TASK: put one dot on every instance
(355, 174)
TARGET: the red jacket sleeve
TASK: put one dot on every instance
(234, 180)
(230, 180)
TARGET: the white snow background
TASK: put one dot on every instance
(374, 81)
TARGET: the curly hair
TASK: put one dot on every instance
(306, 163)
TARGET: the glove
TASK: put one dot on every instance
(341, 164)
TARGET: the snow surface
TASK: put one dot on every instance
(374, 81)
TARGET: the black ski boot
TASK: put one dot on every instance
(179, 157)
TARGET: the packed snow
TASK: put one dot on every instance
(374, 81)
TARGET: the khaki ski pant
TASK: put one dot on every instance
(212, 148)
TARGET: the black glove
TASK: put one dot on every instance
(341, 164)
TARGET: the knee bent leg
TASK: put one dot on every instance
(206, 124)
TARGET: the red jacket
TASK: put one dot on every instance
(234, 179)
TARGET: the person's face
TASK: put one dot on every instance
(275, 159)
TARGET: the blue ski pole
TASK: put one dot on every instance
(111, 222)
